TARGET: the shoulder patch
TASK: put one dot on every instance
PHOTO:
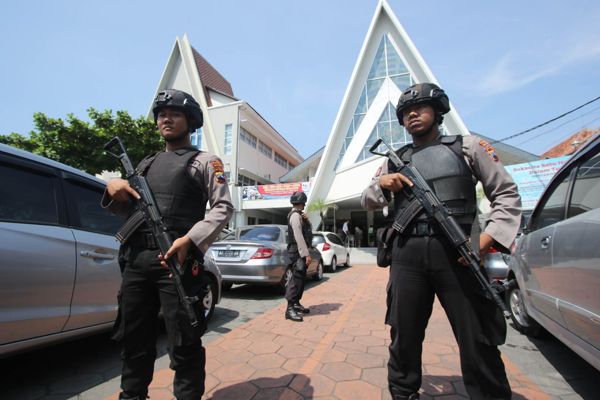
(489, 149)
(218, 171)
(379, 170)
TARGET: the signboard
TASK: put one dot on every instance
(533, 177)
(274, 191)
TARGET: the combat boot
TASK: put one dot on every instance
(301, 309)
(414, 396)
(292, 314)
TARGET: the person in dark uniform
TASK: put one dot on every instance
(299, 238)
(425, 264)
(182, 179)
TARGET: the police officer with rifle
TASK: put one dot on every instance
(168, 226)
(429, 253)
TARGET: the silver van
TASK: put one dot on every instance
(554, 272)
(59, 274)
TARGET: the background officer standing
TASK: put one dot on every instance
(299, 238)
(424, 263)
(182, 179)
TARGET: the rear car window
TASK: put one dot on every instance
(27, 196)
(268, 233)
(317, 239)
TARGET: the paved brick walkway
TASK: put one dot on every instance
(338, 352)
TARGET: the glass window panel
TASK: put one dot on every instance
(87, 214)
(357, 120)
(373, 87)
(586, 190)
(228, 142)
(378, 66)
(402, 81)
(394, 62)
(27, 197)
(361, 108)
(553, 207)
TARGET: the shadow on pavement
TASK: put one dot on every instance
(325, 308)
(267, 388)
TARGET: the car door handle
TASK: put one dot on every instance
(545, 242)
(93, 254)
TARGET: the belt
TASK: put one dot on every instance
(143, 240)
(424, 228)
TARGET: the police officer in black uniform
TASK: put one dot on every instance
(299, 238)
(425, 264)
(182, 179)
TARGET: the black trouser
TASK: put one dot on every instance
(423, 267)
(145, 289)
(295, 287)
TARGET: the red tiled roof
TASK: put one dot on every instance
(210, 77)
(571, 144)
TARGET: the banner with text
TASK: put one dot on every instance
(533, 177)
(274, 191)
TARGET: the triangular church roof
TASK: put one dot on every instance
(387, 64)
(211, 78)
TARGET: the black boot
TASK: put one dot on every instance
(123, 396)
(414, 396)
(301, 309)
(292, 314)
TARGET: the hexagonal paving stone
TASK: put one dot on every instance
(233, 356)
(234, 372)
(352, 390)
(237, 391)
(318, 385)
(277, 394)
(341, 371)
(235, 344)
(376, 376)
(294, 351)
(271, 378)
(365, 360)
(267, 361)
(263, 347)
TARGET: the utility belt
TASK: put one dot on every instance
(146, 240)
(425, 228)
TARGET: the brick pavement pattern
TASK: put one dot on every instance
(340, 351)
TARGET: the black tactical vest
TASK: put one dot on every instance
(443, 166)
(306, 229)
(180, 199)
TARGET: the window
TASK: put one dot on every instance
(196, 138)
(317, 239)
(553, 207)
(248, 137)
(228, 141)
(586, 189)
(266, 150)
(251, 221)
(268, 233)
(27, 196)
(85, 211)
(280, 160)
(245, 181)
(335, 239)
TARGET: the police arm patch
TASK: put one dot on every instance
(489, 149)
(218, 171)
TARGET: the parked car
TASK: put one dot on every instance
(59, 274)
(496, 262)
(332, 248)
(257, 254)
(554, 274)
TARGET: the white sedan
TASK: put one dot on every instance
(332, 248)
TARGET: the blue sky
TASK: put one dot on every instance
(506, 66)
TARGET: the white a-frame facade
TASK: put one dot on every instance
(387, 64)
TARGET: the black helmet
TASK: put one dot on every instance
(182, 101)
(424, 93)
(298, 198)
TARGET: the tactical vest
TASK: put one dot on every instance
(180, 199)
(306, 229)
(443, 166)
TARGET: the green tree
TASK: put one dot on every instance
(80, 144)
(321, 207)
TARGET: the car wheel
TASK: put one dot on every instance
(333, 266)
(522, 321)
(209, 300)
(285, 281)
(319, 275)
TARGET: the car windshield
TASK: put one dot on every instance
(268, 233)
(317, 239)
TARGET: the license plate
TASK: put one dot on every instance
(229, 253)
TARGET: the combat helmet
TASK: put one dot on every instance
(179, 100)
(298, 198)
(424, 93)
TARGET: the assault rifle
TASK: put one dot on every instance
(436, 210)
(151, 215)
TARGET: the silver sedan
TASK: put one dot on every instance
(257, 254)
